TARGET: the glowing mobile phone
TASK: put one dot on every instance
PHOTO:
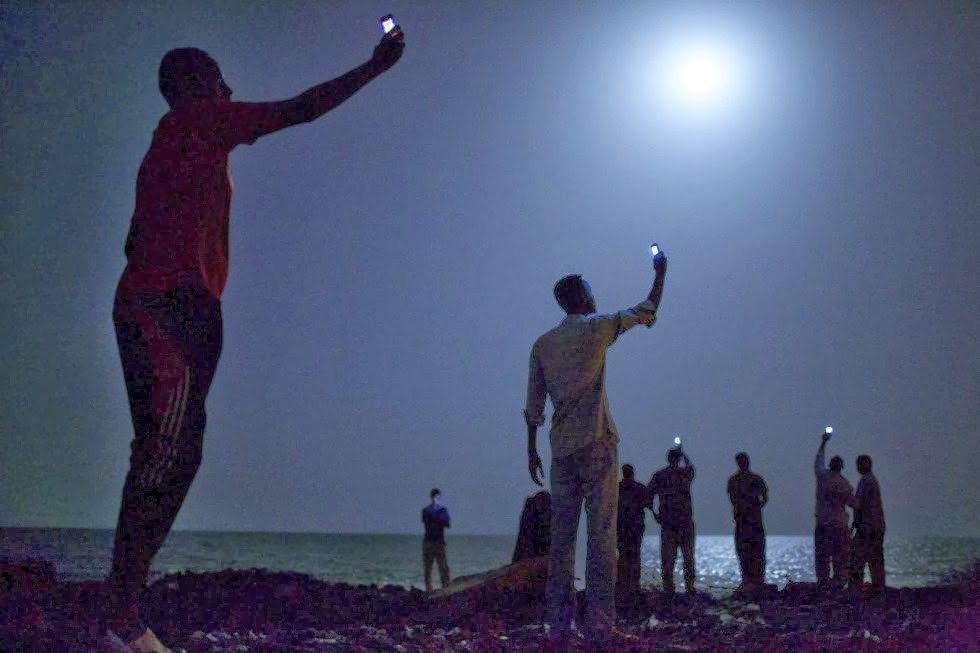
(677, 442)
(388, 24)
(655, 250)
(829, 430)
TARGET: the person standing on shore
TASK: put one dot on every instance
(748, 494)
(167, 308)
(633, 499)
(672, 487)
(435, 517)
(868, 545)
(568, 364)
(831, 541)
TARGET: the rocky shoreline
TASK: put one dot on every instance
(256, 611)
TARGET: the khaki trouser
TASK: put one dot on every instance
(587, 475)
(434, 551)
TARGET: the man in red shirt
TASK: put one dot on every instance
(167, 310)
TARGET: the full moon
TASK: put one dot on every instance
(701, 75)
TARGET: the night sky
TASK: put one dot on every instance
(392, 263)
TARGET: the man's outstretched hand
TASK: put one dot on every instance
(389, 50)
(660, 263)
(534, 467)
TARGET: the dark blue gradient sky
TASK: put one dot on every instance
(392, 263)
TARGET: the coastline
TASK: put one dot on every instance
(257, 611)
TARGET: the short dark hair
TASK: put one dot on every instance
(433, 492)
(864, 460)
(673, 455)
(628, 471)
(836, 463)
(568, 291)
(180, 73)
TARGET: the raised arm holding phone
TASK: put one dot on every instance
(568, 364)
(167, 309)
(671, 486)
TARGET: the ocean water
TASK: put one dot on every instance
(361, 559)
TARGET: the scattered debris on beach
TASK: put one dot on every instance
(256, 611)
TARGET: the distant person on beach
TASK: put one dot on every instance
(534, 532)
(435, 517)
(868, 545)
(671, 486)
(831, 541)
(748, 494)
(568, 364)
(167, 310)
(633, 499)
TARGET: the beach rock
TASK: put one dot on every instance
(534, 532)
(513, 593)
(26, 577)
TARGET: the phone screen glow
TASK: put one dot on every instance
(677, 442)
(388, 24)
(829, 430)
(654, 250)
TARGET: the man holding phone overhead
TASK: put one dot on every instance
(831, 541)
(670, 487)
(568, 364)
(167, 310)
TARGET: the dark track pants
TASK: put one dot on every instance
(750, 545)
(868, 548)
(169, 345)
(629, 542)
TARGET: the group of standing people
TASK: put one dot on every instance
(168, 321)
(567, 364)
(841, 552)
(668, 497)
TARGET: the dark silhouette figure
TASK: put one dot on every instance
(568, 364)
(167, 310)
(831, 541)
(633, 498)
(435, 517)
(671, 486)
(868, 545)
(748, 494)
(534, 535)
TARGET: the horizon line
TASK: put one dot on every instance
(413, 533)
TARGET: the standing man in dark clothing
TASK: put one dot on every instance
(672, 485)
(748, 494)
(436, 520)
(868, 545)
(633, 498)
(167, 309)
